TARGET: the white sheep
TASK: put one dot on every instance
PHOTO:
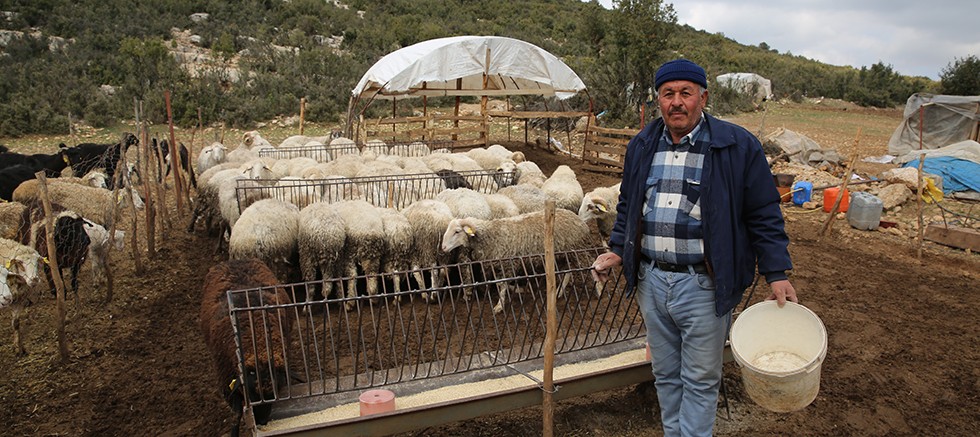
(529, 173)
(302, 140)
(253, 139)
(12, 220)
(267, 230)
(95, 204)
(347, 165)
(564, 188)
(322, 235)
(365, 244)
(600, 205)
(501, 206)
(503, 152)
(377, 146)
(428, 218)
(512, 237)
(528, 198)
(98, 248)
(399, 247)
(22, 269)
(341, 147)
(210, 156)
(464, 202)
(415, 148)
(297, 191)
(207, 204)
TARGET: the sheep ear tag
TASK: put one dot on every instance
(601, 207)
(469, 231)
(65, 158)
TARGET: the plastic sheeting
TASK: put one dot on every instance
(945, 120)
(456, 66)
(958, 164)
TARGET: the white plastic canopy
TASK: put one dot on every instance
(456, 66)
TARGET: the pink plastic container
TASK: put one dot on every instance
(376, 401)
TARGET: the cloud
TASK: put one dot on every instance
(915, 38)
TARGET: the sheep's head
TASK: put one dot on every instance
(593, 207)
(458, 234)
(6, 296)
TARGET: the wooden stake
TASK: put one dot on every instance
(302, 113)
(918, 195)
(840, 195)
(552, 320)
(59, 284)
(174, 156)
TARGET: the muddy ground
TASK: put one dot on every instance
(902, 355)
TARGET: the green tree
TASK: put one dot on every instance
(637, 43)
(961, 77)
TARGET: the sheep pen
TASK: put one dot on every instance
(118, 348)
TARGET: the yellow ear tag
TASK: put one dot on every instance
(7, 264)
(601, 207)
(44, 259)
(65, 157)
(469, 231)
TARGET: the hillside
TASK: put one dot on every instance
(240, 63)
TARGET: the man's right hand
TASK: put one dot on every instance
(603, 264)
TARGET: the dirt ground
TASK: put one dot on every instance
(902, 355)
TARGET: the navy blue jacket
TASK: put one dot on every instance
(740, 213)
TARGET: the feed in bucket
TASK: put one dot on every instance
(780, 351)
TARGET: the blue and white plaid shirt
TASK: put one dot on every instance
(672, 230)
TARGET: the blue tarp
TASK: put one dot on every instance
(958, 174)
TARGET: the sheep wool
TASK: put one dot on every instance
(564, 188)
(267, 230)
(322, 236)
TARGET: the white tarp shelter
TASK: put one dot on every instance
(748, 83)
(457, 66)
(941, 119)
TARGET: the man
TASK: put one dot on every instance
(698, 209)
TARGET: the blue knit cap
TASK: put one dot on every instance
(681, 69)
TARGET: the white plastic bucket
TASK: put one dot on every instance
(780, 351)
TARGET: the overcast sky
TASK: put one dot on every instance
(917, 38)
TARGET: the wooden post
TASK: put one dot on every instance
(150, 198)
(459, 86)
(302, 113)
(484, 124)
(548, 405)
(975, 134)
(840, 195)
(59, 284)
(918, 197)
(174, 156)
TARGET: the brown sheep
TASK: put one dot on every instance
(264, 355)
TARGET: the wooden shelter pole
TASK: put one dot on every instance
(483, 102)
(548, 403)
(918, 198)
(459, 86)
(302, 113)
(59, 284)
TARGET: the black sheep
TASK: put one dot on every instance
(70, 241)
(165, 152)
(86, 157)
(453, 180)
(51, 164)
(12, 177)
(264, 334)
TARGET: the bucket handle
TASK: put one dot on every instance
(816, 363)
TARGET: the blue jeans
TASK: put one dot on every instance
(687, 343)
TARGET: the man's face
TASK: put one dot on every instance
(681, 103)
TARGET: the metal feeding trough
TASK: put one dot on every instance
(444, 357)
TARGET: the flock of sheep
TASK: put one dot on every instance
(485, 203)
